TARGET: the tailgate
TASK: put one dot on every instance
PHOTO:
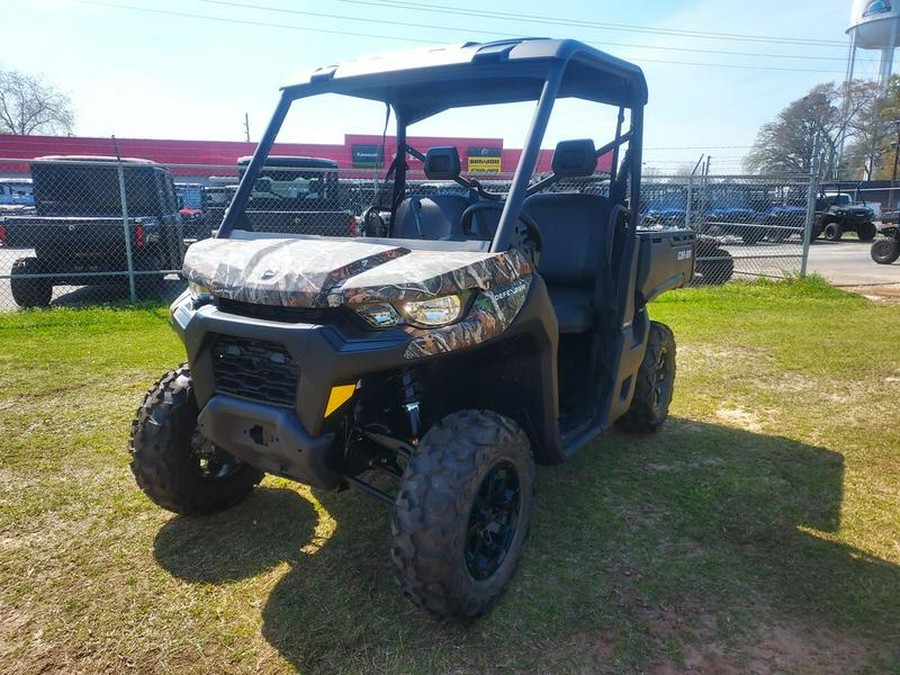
(89, 236)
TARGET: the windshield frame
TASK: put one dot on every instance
(550, 72)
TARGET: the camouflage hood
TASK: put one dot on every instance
(330, 273)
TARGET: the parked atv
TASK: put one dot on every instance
(837, 213)
(483, 332)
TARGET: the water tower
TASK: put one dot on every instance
(874, 24)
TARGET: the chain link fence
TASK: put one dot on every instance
(747, 226)
(82, 230)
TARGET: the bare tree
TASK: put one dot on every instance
(30, 106)
(829, 113)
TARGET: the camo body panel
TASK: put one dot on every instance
(421, 275)
(321, 273)
(281, 272)
(491, 314)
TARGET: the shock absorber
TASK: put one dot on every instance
(410, 395)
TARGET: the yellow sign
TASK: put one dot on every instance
(484, 165)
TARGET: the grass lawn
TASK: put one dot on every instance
(758, 532)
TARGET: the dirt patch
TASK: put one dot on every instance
(881, 293)
(738, 417)
(779, 649)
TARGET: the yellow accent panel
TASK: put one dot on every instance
(339, 396)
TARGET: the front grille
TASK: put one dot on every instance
(278, 313)
(255, 370)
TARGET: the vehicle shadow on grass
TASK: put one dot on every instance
(640, 548)
(270, 527)
(106, 294)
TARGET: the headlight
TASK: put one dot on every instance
(200, 294)
(430, 313)
(434, 311)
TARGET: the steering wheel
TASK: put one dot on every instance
(531, 226)
(373, 222)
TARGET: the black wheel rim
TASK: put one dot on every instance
(493, 521)
(212, 462)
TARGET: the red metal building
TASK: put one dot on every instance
(198, 159)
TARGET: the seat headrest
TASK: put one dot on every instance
(575, 158)
(442, 163)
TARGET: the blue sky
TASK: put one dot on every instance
(192, 68)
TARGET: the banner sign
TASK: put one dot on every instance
(367, 156)
(484, 160)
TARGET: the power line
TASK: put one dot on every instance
(470, 31)
(531, 18)
(265, 24)
(245, 22)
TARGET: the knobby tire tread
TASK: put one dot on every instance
(432, 510)
(160, 452)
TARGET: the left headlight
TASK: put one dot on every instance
(434, 311)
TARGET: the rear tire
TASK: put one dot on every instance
(29, 292)
(171, 460)
(655, 383)
(885, 251)
(833, 232)
(866, 231)
(462, 513)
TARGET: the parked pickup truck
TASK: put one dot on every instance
(77, 231)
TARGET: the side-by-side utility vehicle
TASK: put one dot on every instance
(79, 234)
(465, 336)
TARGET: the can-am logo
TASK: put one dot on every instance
(877, 7)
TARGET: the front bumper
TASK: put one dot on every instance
(286, 436)
(269, 438)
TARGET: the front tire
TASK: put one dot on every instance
(655, 383)
(173, 463)
(462, 513)
(29, 292)
(885, 251)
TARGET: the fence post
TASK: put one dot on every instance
(689, 197)
(811, 194)
(688, 209)
(132, 290)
